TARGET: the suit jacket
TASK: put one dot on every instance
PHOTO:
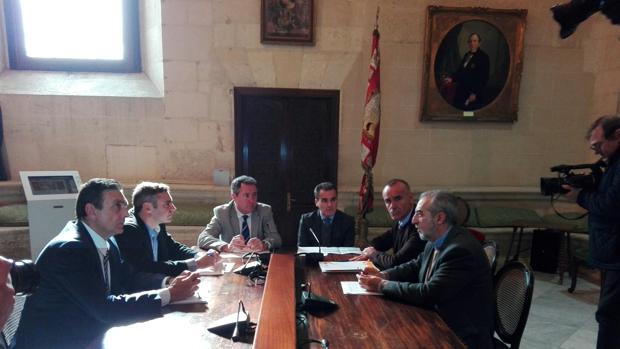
(342, 230)
(225, 224)
(471, 78)
(405, 245)
(71, 307)
(136, 247)
(603, 205)
(460, 287)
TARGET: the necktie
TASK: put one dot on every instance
(245, 230)
(430, 267)
(106, 267)
(154, 247)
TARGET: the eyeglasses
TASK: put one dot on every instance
(596, 146)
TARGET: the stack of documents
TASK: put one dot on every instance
(353, 287)
(194, 299)
(218, 269)
(329, 250)
(343, 267)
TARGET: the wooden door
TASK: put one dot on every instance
(288, 140)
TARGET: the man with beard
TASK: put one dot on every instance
(452, 276)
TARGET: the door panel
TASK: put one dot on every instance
(288, 140)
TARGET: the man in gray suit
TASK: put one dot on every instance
(243, 223)
(451, 276)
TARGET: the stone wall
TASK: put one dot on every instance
(210, 46)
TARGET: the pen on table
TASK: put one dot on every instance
(212, 253)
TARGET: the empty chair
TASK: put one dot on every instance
(492, 252)
(463, 211)
(514, 284)
(463, 215)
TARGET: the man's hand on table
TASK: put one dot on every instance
(367, 253)
(183, 286)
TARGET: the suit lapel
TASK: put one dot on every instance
(428, 255)
(115, 267)
(93, 253)
(317, 226)
(255, 224)
(453, 231)
(335, 235)
(234, 220)
(147, 235)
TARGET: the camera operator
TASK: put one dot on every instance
(7, 295)
(603, 205)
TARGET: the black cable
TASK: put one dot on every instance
(552, 201)
(249, 256)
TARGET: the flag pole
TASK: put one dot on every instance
(370, 133)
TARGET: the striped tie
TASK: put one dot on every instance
(430, 267)
(245, 230)
(106, 266)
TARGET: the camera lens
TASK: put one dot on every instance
(24, 276)
(551, 186)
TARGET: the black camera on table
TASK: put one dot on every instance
(566, 175)
(24, 277)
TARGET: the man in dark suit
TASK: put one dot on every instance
(402, 239)
(7, 296)
(243, 223)
(452, 276)
(146, 244)
(332, 226)
(471, 77)
(85, 286)
(603, 204)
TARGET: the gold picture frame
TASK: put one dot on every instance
(287, 22)
(473, 60)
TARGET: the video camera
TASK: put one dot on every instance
(553, 185)
(24, 277)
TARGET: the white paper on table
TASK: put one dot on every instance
(218, 269)
(349, 250)
(342, 267)
(194, 299)
(231, 254)
(328, 250)
(353, 287)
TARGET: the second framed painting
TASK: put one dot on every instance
(287, 22)
(473, 58)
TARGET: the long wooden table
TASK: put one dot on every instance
(185, 326)
(359, 322)
(373, 321)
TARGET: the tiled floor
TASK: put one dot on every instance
(559, 319)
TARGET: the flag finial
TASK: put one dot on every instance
(377, 19)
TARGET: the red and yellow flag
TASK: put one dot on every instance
(370, 128)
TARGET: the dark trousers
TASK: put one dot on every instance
(608, 313)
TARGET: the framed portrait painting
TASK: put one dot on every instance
(287, 22)
(473, 59)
